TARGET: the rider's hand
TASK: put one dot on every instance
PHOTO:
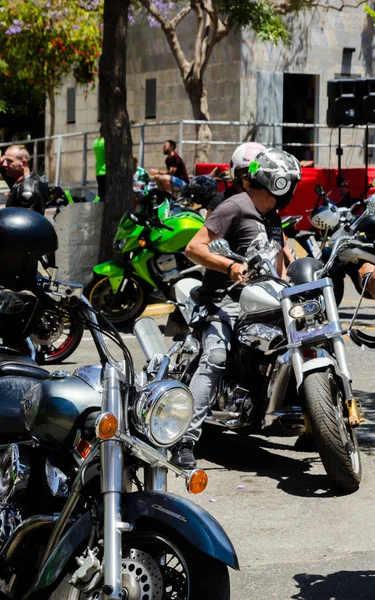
(237, 272)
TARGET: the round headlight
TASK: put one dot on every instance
(163, 411)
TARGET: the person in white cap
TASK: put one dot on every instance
(265, 181)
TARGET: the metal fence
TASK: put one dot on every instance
(78, 146)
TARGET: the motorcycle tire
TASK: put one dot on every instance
(187, 573)
(335, 440)
(103, 300)
(56, 353)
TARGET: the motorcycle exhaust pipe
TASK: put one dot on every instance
(149, 337)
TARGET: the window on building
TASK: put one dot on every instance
(71, 105)
(150, 99)
(346, 63)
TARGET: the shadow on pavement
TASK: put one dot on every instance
(342, 585)
(250, 453)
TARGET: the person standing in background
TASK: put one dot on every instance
(27, 189)
(100, 168)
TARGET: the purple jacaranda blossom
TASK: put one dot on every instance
(16, 27)
(164, 7)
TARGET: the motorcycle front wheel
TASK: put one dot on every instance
(335, 440)
(161, 565)
(122, 307)
(66, 331)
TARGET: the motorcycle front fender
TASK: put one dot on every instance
(112, 269)
(191, 521)
(320, 364)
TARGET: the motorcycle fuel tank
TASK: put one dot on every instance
(260, 296)
(54, 409)
(185, 226)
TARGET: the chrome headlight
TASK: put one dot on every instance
(306, 309)
(162, 412)
(119, 244)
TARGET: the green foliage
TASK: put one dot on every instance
(259, 16)
(370, 11)
(42, 41)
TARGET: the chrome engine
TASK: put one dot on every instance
(14, 477)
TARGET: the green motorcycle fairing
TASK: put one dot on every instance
(185, 226)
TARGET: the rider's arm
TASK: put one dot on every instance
(197, 250)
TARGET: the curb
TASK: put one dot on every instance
(153, 310)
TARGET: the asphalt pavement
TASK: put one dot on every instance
(295, 539)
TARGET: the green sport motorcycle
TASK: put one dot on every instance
(152, 245)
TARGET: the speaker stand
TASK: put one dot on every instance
(366, 188)
(339, 152)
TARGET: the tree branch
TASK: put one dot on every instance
(181, 15)
(219, 31)
(199, 39)
(169, 29)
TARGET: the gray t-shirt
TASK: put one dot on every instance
(247, 231)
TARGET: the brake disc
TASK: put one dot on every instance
(141, 576)
(49, 339)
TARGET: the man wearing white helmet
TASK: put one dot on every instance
(265, 180)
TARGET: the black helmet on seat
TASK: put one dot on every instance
(25, 236)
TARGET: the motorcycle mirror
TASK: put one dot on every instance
(319, 190)
(190, 345)
(220, 246)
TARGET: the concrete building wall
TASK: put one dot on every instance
(319, 37)
(244, 81)
(149, 57)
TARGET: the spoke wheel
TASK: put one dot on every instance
(121, 307)
(160, 566)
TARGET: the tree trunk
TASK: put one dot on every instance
(115, 121)
(50, 159)
(199, 101)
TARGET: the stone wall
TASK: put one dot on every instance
(244, 81)
(319, 37)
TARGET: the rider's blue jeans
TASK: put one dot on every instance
(216, 340)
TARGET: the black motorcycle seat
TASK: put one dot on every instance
(23, 366)
(202, 295)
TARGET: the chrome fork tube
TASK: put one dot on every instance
(156, 477)
(338, 342)
(112, 464)
(295, 353)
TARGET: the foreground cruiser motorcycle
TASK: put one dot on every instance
(287, 371)
(70, 525)
(152, 244)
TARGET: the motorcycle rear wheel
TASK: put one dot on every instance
(133, 301)
(335, 440)
(167, 567)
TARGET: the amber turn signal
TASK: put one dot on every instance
(142, 243)
(197, 481)
(106, 426)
